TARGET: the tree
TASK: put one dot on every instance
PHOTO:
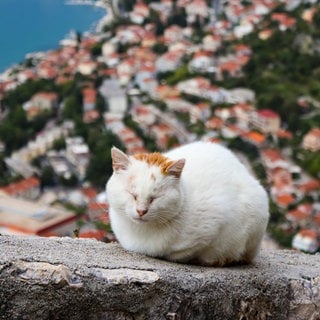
(47, 176)
(100, 165)
(72, 108)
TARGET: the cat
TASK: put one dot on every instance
(194, 204)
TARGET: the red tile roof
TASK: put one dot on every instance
(21, 186)
(267, 113)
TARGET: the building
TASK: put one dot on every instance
(45, 100)
(306, 240)
(311, 141)
(89, 98)
(26, 217)
(78, 153)
(115, 96)
(266, 120)
(28, 188)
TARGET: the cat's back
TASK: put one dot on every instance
(206, 157)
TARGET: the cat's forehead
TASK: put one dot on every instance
(155, 159)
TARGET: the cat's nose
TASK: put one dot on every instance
(142, 212)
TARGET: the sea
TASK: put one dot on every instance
(28, 26)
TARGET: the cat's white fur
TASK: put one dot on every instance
(215, 213)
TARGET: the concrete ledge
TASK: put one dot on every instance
(63, 278)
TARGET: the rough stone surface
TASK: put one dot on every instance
(63, 278)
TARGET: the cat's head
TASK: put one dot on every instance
(150, 184)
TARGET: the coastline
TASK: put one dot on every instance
(107, 18)
(95, 28)
(100, 4)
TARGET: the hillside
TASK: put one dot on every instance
(244, 74)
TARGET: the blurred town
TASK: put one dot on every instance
(157, 74)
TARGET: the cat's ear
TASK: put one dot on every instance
(120, 160)
(176, 168)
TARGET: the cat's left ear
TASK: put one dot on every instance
(120, 160)
(176, 168)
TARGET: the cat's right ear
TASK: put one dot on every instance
(120, 160)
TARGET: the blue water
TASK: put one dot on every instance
(38, 25)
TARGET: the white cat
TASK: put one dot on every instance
(196, 203)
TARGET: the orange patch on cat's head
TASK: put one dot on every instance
(156, 159)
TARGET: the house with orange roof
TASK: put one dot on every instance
(284, 20)
(283, 200)
(26, 74)
(281, 179)
(200, 111)
(179, 105)
(307, 240)
(45, 100)
(211, 42)
(173, 34)
(245, 27)
(254, 137)
(130, 34)
(265, 34)
(266, 120)
(89, 231)
(25, 217)
(298, 218)
(149, 39)
(242, 49)
(202, 61)
(88, 42)
(144, 115)
(169, 61)
(196, 86)
(231, 67)
(28, 188)
(98, 211)
(164, 91)
(196, 8)
(162, 133)
(272, 158)
(284, 134)
(87, 67)
(242, 113)
(46, 70)
(230, 131)
(39, 102)
(89, 193)
(139, 12)
(126, 69)
(310, 187)
(91, 116)
(311, 141)
(308, 14)
(303, 211)
(214, 123)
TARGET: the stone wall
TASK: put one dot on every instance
(63, 278)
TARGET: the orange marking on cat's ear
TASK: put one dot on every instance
(156, 159)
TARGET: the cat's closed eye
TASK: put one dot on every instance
(134, 196)
(151, 199)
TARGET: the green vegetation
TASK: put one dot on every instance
(100, 165)
(279, 71)
(310, 161)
